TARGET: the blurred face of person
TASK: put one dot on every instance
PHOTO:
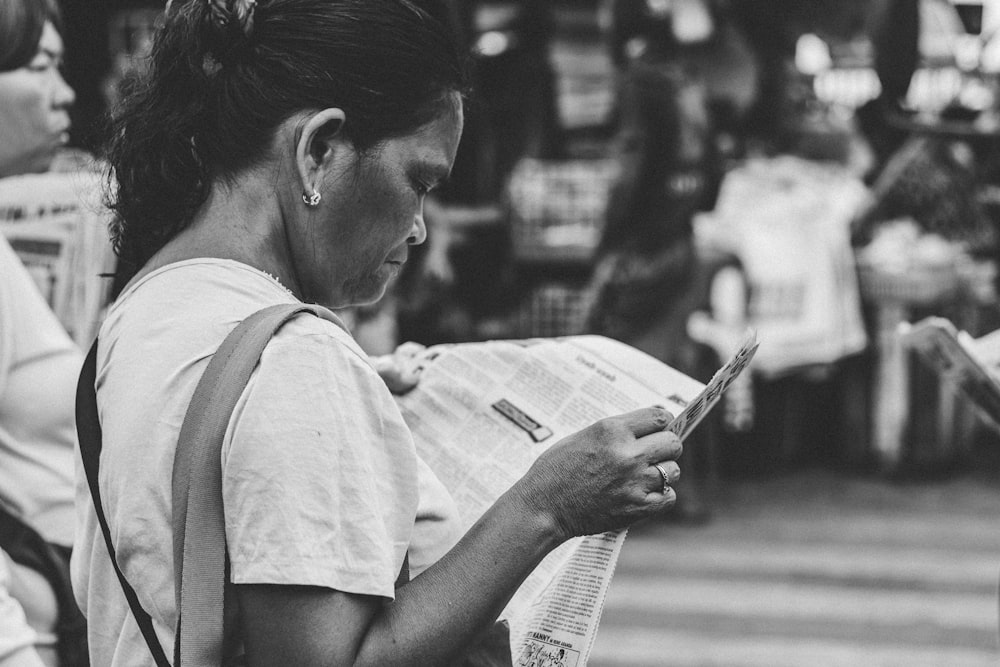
(357, 239)
(34, 109)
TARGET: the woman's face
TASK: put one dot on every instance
(358, 238)
(34, 109)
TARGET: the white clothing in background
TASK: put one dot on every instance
(321, 482)
(39, 365)
(15, 633)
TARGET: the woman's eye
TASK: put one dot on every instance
(41, 65)
(45, 62)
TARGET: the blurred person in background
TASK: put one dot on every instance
(39, 620)
(709, 39)
(647, 277)
(515, 83)
(894, 29)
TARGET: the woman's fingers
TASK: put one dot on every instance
(609, 475)
(661, 476)
(408, 350)
(660, 446)
(672, 470)
(399, 377)
(645, 421)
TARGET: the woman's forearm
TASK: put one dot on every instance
(433, 619)
(436, 616)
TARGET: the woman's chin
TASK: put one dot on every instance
(366, 296)
(42, 164)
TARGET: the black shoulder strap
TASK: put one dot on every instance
(27, 547)
(88, 428)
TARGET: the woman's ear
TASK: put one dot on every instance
(316, 146)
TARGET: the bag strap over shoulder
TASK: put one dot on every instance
(199, 524)
(199, 530)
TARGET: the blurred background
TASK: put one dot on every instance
(669, 173)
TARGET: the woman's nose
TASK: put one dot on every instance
(64, 95)
(418, 234)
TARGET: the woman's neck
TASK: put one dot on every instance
(241, 223)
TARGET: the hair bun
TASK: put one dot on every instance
(244, 13)
(227, 13)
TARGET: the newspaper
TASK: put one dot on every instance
(483, 412)
(58, 228)
(972, 364)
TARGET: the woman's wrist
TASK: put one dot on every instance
(537, 518)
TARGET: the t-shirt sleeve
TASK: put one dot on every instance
(319, 469)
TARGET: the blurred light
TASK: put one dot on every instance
(635, 47)
(933, 89)
(976, 95)
(812, 55)
(968, 51)
(492, 43)
(990, 58)
(991, 17)
(692, 22)
(849, 88)
(659, 8)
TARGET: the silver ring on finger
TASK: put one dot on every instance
(666, 478)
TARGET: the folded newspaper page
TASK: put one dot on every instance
(972, 364)
(57, 226)
(483, 412)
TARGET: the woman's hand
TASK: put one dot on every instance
(400, 370)
(605, 476)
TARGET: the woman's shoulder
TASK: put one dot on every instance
(204, 275)
(192, 294)
(312, 343)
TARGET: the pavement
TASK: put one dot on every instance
(814, 569)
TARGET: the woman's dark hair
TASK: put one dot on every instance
(223, 74)
(21, 23)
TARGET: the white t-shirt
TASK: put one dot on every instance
(321, 482)
(39, 365)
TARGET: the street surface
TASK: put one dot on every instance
(814, 570)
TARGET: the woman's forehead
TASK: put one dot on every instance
(51, 42)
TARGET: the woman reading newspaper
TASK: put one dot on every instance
(280, 152)
(39, 621)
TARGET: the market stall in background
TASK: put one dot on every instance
(829, 170)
